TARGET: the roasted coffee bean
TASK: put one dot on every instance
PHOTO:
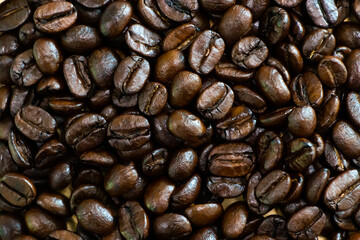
(204, 214)
(235, 23)
(346, 138)
(35, 123)
(172, 226)
(120, 179)
(55, 203)
(206, 51)
(131, 74)
(102, 65)
(55, 17)
(49, 85)
(273, 226)
(185, 194)
(323, 13)
(49, 153)
(6, 161)
(9, 44)
(226, 187)
(143, 41)
(249, 52)
(290, 55)
(180, 38)
(28, 34)
(351, 63)
(13, 14)
(152, 98)
(318, 44)
(275, 118)
(24, 71)
(306, 89)
(334, 158)
(274, 25)
(95, 217)
(150, 12)
(98, 157)
(17, 189)
(269, 148)
(272, 85)
(353, 107)
(80, 39)
(41, 223)
(86, 191)
(47, 55)
(63, 234)
(228, 71)
(182, 164)
(215, 100)
(302, 121)
(237, 124)
(250, 98)
(273, 187)
(20, 149)
(86, 132)
(343, 191)
(188, 127)
(115, 18)
(133, 221)
(157, 195)
(300, 154)
(307, 223)
(332, 71)
(61, 175)
(11, 225)
(316, 184)
(77, 76)
(179, 11)
(5, 66)
(205, 233)
(168, 65)
(234, 220)
(231, 160)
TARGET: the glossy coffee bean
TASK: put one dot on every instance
(120, 179)
(316, 184)
(318, 44)
(346, 138)
(63, 234)
(186, 193)
(47, 55)
(157, 195)
(182, 164)
(180, 38)
(234, 220)
(206, 51)
(172, 225)
(274, 25)
(168, 65)
(80, 39)
(226, 187)
(180, 11)
(152, 98)
(17, 189)
(307, 223)
(55, 17)
(19, 149)
(61, 175)
(302, 121)
(13, 14)
(351, 63)
(55, 203)
(269, 148)
(95, 217)
(300, 153)
(133, 221)
(203, 214)
(332, 71)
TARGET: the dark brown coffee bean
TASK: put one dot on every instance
(249, 52)
(93, 4)
(250, 98)
(235, 23)
(24, 71)
(47, 55)
(182, 164)
(20, 149)
(179, 10)
(55, 203)
(131, 74)
(55, 17)
(306, 89)
(28, 34)
(171, 226)
(133, 221)
(273, 187)
(275, 118)
(185, 194)
(35, 123)
(343, 191)
(307, 223)
(204, 214)
(334, 158)
(180, 38)
(234, 220)
(9, 45)
(332, 71)
(80, 39)
(290, 55)
(151, 14)
(215, 100)
(300, 154)
(347, 139)
(13, 14)
(206, 51)
(228, 71)
(316, 184)
(351, 63)
(302, 121)
(318, 44)
(95, 217)
(86, 132)
(226, 187)
(61, 175)
(158, 194)
(49, 153)
(269, 148)
(272, 85)
(205, 233)
(143, 41)
(5, 66)
(41, 223)
(98, 157)
(86, 191)
(17, 189)
(62, 234)
(50, 85)
(274, 25)
(323, 13)
(168, 65)
(152, 98)
(115, 18)
(120, 179)
(273, 226)
(231, 160)
(102, 65)
(76, 73)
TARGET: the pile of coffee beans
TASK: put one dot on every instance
(179, 119)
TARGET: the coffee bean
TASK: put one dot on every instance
(226, 187)
(20, 149)
(186, 193)
(204, 214)
(80, 39)
(234, 220)
(318, 44)
(13, 14)
(323, 14)
(302, 121)
(47, 55)
(206, 51)
(269, 148)
(55, 203)
(157, 195)
(332, 71)
(152, 98)
(274, 25)
(121, 179)
(346, 138)
(178, 11)
(55, 17)
(63, 234)
(180, 38)
(182, 164)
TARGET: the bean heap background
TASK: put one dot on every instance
(146, 119)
